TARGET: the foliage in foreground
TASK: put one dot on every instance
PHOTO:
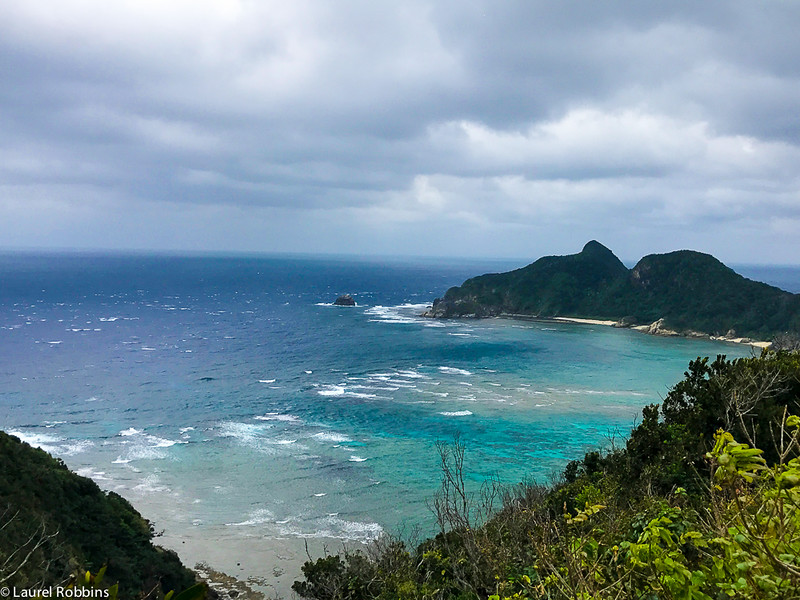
(702, 503)
(54, 523)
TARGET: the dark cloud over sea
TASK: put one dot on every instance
(457, 128)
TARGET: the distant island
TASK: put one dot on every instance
(678, 293)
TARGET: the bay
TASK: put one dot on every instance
(238, 409)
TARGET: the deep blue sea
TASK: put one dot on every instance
(236, 407)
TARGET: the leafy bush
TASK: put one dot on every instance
(689, 509)
(55, 522)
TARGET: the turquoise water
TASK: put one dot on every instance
(228, 397)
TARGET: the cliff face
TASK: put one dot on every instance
(688, 290)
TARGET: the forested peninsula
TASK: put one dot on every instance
(683, 292)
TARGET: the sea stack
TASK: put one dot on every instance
(344, 300)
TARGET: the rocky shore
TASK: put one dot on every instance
(438, 310)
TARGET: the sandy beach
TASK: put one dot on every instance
(255, 566)
(645, 328)
(585, 321)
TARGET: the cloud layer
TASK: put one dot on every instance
(480, 128)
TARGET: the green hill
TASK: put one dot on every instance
(690, 291)
(54, 523)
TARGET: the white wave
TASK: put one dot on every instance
(458, 413)
(403, 313)
(147, 348)
(440, 394)
(373, 387)
(92, 474)
(273, 416)
(339, 391)
(596, 392)
(70, 448)
(150, 485)
(143, 446)
(39, 440)
(332, 390)
(158, 442)
(454, 371)
(186, 429)
(334, 527)
(50, 424)
(308, 372)
(411, 374)
(354, 458)
(396, 382)
(52, 444)
(336, 438)
(266, 381)
(252, 435)
(320, 495)
(330, 526)
(243, 432)
(108, 319)
(56, 342)
(259, 516)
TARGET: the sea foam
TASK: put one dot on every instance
(454, 371)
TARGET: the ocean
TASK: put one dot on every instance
(244, 414)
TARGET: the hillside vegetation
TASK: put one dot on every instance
(691, 291)
(702, 502)
(54, 524)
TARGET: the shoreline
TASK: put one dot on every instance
(655, 328)
(253, 567)
(586, 321)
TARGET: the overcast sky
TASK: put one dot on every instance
(463, 128)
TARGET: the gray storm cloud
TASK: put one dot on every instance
(514, 128)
